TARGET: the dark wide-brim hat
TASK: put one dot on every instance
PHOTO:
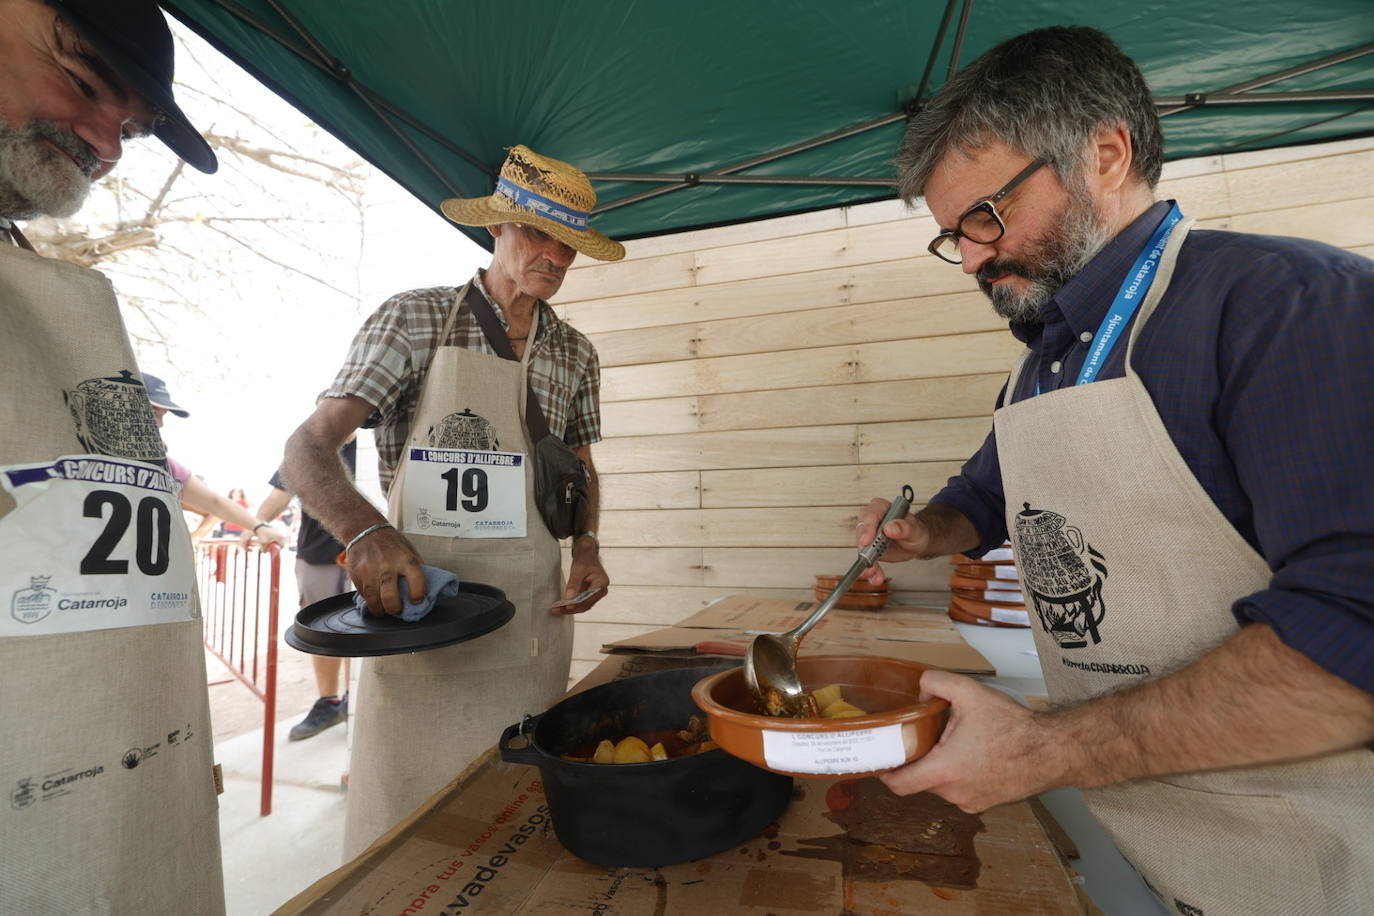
(545, 193)
(132, 37)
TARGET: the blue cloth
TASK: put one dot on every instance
(1260, 361)
(439, 583)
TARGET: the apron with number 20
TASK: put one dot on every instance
(107, 757)
(463, 495)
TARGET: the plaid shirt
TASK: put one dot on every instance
(392, 351)
(1258, 361)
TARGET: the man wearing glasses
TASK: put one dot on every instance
(106, 757)
(1175, 461)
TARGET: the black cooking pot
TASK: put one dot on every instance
(642, 814)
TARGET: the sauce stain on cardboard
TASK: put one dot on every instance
(889, 837)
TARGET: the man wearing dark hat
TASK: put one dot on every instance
(107, 755)
(454, 451)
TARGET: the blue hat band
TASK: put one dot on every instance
(543, 206)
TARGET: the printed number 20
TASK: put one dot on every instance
(152, 532)
(474, 487)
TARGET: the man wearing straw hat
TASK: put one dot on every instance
(424, 375)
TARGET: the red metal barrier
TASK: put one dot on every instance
(239, 603)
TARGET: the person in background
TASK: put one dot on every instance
(1176, 459)
(424, 374)
(107, 757)
(195, 495)
(228, 529)
(319, 575)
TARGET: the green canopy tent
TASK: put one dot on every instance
(699, 114)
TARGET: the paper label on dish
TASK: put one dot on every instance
(1011, 615)
(997, 555)
(1005, 572)
(856, 751)
(1004, 596)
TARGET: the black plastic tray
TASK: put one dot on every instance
(335, 627)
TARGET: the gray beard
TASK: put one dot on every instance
(1050, 262)
(35, 179)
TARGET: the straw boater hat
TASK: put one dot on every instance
(544, 193)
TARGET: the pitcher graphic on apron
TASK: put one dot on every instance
(107, 758)
(463, 495)
(1133, 571)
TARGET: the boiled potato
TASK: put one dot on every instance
(827, 695)
(658, 752)
(605, 753)
(631, 749)
(841, 709)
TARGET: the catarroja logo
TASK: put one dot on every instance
(23, 796)
(32, 604)
(422, 518)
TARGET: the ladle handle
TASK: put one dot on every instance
(866, 558)
(874, 550)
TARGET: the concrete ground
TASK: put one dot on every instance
(268, 860)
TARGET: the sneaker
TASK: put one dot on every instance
(321, 716)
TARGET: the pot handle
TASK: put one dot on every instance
(527, 754)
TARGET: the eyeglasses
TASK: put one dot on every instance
(980, 223)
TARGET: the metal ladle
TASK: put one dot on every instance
(771, 661)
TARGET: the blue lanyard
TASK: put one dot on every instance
(1133, 289)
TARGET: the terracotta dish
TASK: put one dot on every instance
(862, 595)
(898, 728)
(958, 581)
(961, 616)
(1012, 615)
(982, 570)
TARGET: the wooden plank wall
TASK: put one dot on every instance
(761, 381)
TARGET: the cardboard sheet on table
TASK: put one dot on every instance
(460, 853)
(727, 627)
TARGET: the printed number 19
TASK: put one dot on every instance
(474, 487)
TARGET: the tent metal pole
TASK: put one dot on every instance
(239, 12)
(692, 179)
(934, 53)
(342, 74)
(747, 179)
(334, 64)
(1197, 99)
(315, 55)
(1320, 63)
(959, 39)
(804, 145)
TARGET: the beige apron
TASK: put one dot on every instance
(1132, 570)
(106, 758)
(423, 717)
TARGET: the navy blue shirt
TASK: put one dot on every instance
(1260, 361)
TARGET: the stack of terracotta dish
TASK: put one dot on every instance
(861, 596)
(987, 592)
